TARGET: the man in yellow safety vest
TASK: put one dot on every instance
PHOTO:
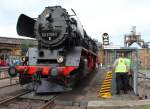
(120, 68)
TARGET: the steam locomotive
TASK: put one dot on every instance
(65, 53)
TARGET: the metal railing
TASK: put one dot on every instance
(5, 78)
(143, 84)
(4, 73)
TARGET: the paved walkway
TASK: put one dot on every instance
(118, 104)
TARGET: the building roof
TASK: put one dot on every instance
(118, 47)
(17, 41)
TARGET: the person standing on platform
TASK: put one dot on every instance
(120, 68)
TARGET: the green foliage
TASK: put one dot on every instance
(143, 107)
(24, 46)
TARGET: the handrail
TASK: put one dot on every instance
(144, 84)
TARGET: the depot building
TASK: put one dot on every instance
(12, 47)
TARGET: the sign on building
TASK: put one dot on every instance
(105, 38)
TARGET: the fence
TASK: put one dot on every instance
(143, 84)
(5, 79)
(4, 73)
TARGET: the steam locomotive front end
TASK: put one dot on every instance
(63, 55)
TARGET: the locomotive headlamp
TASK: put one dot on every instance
(60, 59)
(23, 59)
(46, 13)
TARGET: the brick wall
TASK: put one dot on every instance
(144, 55)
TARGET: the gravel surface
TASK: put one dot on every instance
(23, 104)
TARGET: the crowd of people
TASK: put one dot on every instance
(12, 62)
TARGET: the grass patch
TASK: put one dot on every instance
(143, 107)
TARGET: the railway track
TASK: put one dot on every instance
(49, 104)
(4, 98)
(11, 98)
(16, 102)
(9, 85)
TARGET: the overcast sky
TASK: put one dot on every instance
(116, 17)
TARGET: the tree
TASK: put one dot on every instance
(24, 47)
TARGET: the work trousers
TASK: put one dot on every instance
(121, 81)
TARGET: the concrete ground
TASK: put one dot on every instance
(86, 96)
(119, 104)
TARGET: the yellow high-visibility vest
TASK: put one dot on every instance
(128, 62)
(121, 66)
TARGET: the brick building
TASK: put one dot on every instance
(144, 55)
(11, 47)
(106, 57)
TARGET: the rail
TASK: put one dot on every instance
(49, 104)
(9, 99)
(8, 85)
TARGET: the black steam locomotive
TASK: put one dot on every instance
(65, 53)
